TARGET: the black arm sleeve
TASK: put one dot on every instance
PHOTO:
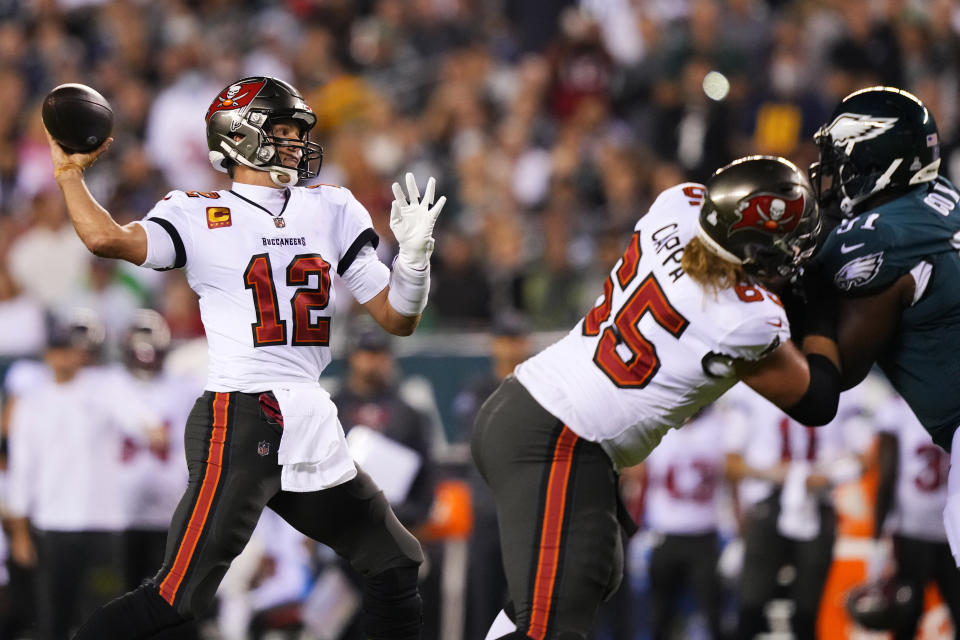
(818, 405)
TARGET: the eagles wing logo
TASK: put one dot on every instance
(847, 129)
(235, 96)
(859, 271)
(769, 212)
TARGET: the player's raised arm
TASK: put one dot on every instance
(97, 229)
(398, 307)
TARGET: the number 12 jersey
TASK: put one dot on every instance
(262, 262)
(657, 346)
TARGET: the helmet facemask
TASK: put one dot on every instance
(782, 259)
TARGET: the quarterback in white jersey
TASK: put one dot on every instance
(261, 256)
(685, 313)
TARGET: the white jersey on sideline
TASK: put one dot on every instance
(684, 475)
(154, 480)
(66, 443)
(766, 437)
(921, 491)
(262, 260)
(657, 347)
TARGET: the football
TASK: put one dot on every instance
(77, 117)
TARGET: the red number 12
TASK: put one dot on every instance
(269, 329)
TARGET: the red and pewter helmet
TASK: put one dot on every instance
(760, 212)
(238, 126)
(146, 342)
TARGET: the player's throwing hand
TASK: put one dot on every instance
(63, 161)
(412, 220)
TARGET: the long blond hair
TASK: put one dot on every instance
(708, 269)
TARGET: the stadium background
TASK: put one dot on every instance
(549, 124)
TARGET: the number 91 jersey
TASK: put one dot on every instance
(657, 346)
(261, 260)
(917, 233)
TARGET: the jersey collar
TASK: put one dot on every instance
(272, 201)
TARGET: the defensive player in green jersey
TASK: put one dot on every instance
(893, 259)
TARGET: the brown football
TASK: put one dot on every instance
(77, 117)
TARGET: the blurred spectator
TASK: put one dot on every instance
(263, 591)
(48, 262)
(368, 398)
(784, 475)
(911, 496)
(460, 293)
(22, 319)
(683, 478)
(65, 487)
(486, 582)
(868, 47)
(154, 474)
(109, 298)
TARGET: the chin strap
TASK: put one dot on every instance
(283, 177)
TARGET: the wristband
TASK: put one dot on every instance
(408, 288)
(58, 171)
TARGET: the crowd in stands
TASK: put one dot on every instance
(550, 125)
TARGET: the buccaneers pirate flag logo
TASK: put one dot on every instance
(235, 96)
(769, 212)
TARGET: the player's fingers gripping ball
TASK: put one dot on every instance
(77, 121)
(412, 219)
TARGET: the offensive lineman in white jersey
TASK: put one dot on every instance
(684, 315)
(261, 256)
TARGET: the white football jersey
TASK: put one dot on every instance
(684, 475)
(261, 261)
(153, 479)
(766, 437)
(921, 491)
(657, 347)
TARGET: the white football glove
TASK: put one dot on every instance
(412, 220)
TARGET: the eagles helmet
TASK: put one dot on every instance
(879, 139)
(881, 605)
(238, 126)
(760, 212)
(146, 342)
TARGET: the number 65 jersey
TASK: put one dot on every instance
(657, 346)
(261, 260)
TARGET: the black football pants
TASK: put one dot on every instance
(558, 512)
(918, 563)
(679, 563)
(231, 452)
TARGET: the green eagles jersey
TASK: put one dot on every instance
(918, 233)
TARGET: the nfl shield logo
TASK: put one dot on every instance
(280, 222)
(263, 448)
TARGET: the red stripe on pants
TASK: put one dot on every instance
(551, 534)
(201, 509)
